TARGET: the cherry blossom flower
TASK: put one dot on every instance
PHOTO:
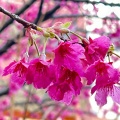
(67, 84)
(39, 73)
(18, 71)
(97, 49)
(106, 77)
(70, 56)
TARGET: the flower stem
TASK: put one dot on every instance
(68, 36)
(43, 55)
(81, 38)
(36, 48)
(108, 57)
(44, 46)
(116, 54)
(57, 37)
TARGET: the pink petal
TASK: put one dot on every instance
(30, 74)
(18, 80)
(68, 97)
(55, 93)
(101, 97)
(103, 42)
(9, 69)
(115, 94)
(90, 74)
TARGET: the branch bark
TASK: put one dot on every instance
(17, 13)
(18, 19)
(93, 2)
(83, 15)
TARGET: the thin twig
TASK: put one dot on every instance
(40, 12)
(84, 15)
(94, 2)
(115, 54)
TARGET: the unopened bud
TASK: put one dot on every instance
(46, 34)
(64, 30)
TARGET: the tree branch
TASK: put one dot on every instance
(93, 2)
(83, 15)
(18, 19)
(17, 13)
(6, 46)
(40, 12)
(4, 91)
(50, 13)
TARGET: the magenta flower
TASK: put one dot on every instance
(106, 77)
(70, 56)
(68, 83)
(39, 73)
(97, 49)
(18, 71)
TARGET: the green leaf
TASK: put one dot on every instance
(66, 25)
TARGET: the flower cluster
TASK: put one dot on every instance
(73, 63)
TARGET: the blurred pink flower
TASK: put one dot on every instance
(18, 71)
(4, 103)
(13, 87)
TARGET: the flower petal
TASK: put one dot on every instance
(101, 97)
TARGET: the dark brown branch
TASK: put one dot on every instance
(18, 19)
(6, 46)
(83, 15)
(4, 91)
(17, 13)
(93, 2)
(40, 12)
(51, 12)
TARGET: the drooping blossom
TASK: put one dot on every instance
(97, 49)
(105, 77)
(70, 56)
(18, 71)
(67, 84)
(39, 73)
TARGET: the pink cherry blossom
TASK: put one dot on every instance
(18, 71)
(97, 49)
(39, 73)
(106, 77)
(67, 84)
(71, 56)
